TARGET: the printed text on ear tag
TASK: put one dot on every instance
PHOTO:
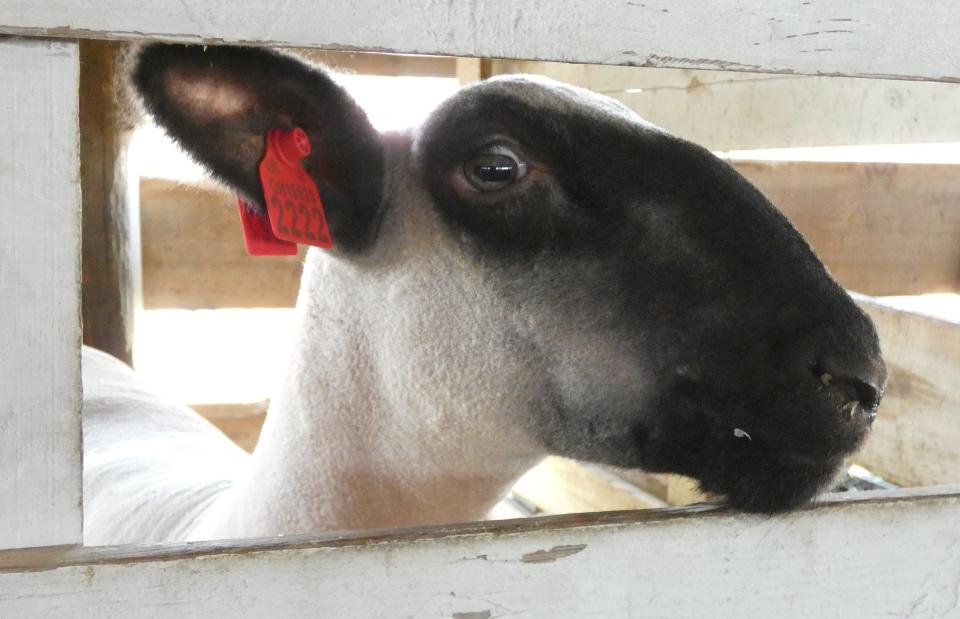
(292, 200)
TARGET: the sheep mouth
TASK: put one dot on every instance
(749, 468)
(736, 446)
(752, 475)
(746, 474)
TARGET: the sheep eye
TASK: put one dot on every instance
(493, 168)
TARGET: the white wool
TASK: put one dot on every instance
(398, 408)
(151, 467)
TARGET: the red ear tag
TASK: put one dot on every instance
(258, 236)
(293, 202)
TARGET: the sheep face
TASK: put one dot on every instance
(539, 262)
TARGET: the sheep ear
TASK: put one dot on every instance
(219, 103)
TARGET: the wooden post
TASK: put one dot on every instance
(473, 70)
(40, 477)
(111, 246)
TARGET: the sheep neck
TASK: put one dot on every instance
(336, 453)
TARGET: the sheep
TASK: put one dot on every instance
(535, 270)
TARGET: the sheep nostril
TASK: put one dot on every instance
(853, 397)
(869, 395)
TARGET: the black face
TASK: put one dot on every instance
(738, 360)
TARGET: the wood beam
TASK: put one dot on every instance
(194, 257)
(736, 110)
(882, 229)
(561, 486)
(240, 422)
(916, 438)
(870, 38)
(687, 562)
(366, 63)
(111, 247)
(471, 70)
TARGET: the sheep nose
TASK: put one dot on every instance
(855, 389)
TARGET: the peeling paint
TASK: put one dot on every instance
(549, 556)
(656, 60)
(537, 556)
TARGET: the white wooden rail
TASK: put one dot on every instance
(882, 557)
(854, 37)
(39, 288)
(892, 556)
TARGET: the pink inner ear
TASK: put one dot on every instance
(208, 97)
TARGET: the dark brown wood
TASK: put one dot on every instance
(110, 252)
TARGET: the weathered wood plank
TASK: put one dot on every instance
(39, 295)
(916, 438)
(111, 248)
(858, 37)
(194, 257)
(562, 486)
(471, 70)
(363, 63)
(683, 563)
(240, 422)
(882, 229)
(730, 110)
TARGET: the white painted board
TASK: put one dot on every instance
(854, 37)
(733, 110)
(40, 477)
(893, 557)
(865, 558)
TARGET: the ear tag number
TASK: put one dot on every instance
(293, 202)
